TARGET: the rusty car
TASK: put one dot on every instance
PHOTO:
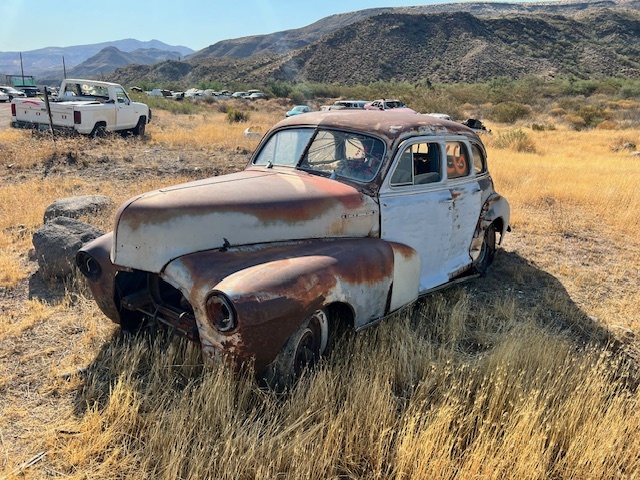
(339, 218)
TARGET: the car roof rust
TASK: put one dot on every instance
(387, 124)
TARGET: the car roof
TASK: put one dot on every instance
(388, 124)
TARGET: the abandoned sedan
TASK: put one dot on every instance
(340, 217)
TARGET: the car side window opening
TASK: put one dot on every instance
(458, 160)
(419, 164)
(121, 95)
(479, 162)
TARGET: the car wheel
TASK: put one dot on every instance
(487, 251)
(140, 128)
(99, 131)
(302, 351)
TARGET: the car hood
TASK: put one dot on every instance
(250, 207)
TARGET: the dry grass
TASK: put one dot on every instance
(528, 373)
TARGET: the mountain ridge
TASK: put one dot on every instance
(443, 47)
(41, 62)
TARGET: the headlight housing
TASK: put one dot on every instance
(88, 265)
(220, 311)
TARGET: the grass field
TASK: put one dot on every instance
(531, 372)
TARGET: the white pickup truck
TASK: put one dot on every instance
(86, 106)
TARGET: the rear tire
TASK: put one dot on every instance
(487, 251)
(99, 131)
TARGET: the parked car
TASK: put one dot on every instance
(340, 218)
(385, 104)
(443, 116)
(257, 96)
(30, 91)
(12, 92)
(297, 110)
(158, 92)
(240, 95)
(4, 97)
(340, 104)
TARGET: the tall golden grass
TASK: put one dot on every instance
(529, 373)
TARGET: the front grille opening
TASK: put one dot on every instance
(158, 302)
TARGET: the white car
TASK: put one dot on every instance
(4, 97)
(12, 92)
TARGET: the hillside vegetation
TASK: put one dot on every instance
(530, 372)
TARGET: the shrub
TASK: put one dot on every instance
(509, 112)
(607, 125)
(576, 121)
(235, 116)
(592, 114)
(516, 140)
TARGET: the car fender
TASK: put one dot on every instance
(102, 286)
(495, 211)
(273, 288)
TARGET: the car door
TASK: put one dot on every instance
(125, 112)
(466, 202)
(416, 207)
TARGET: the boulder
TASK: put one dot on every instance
(74, 207)
(57, 242)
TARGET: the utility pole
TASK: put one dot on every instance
(21, 69)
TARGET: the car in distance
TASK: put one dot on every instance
(12, 92)
(30, 91)
(386, 104)
(339, 219)
(4, 97)
(297, 110)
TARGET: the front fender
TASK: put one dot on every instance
(103, 285)
(275, 287)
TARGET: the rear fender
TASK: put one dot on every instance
(495, 211)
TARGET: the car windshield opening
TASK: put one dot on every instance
(327, 152)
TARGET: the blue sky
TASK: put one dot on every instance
(32, 24)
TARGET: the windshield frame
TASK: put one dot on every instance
(362, 154)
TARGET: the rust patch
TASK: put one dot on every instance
(270, 197)
(405, 251)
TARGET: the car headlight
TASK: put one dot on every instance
(220, 312)
(88, 266)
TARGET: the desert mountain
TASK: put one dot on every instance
(110, 58)
(440, 47)
(45, 60)
(286, 41)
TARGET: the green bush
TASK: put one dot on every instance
(516, 140)
(236, 116)
(592, 114)
(509, 112)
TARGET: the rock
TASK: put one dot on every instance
(74, 207)
(57, 242)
